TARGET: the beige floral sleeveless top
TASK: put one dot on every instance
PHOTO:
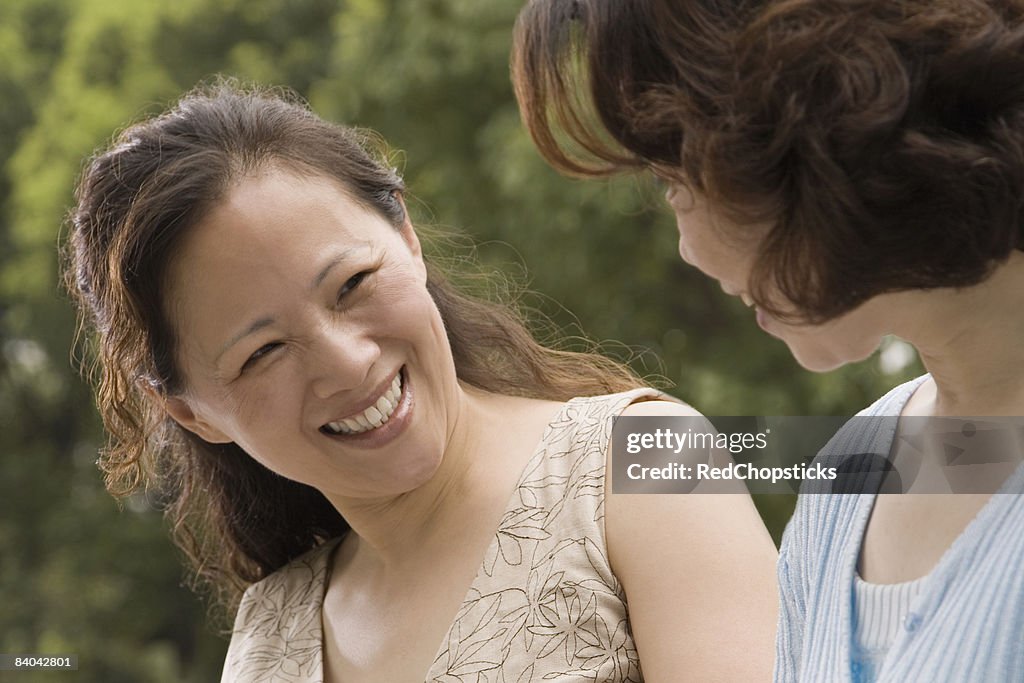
(544, 606)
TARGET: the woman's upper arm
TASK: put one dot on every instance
(699, 574)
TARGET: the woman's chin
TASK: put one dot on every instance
(826, 359)
(818, 359)
(820, 365)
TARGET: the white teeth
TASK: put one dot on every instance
(747, 300)
(374, 416)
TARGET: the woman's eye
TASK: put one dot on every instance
(259, 354)
(351, 284)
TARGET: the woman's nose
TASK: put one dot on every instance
(341, 362)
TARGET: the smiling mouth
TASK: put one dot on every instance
(374, 416)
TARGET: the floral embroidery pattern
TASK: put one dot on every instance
(282, 634)
(545, 604)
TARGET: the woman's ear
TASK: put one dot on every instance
(181, 412)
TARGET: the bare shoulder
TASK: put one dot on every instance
(660, 408)
(699, 572)
(681, 417)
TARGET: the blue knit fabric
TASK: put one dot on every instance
(965, 626)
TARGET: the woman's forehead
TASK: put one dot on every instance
(284, 211)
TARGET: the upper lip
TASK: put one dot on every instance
(368, 400)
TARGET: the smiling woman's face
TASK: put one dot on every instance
(307, 336)
(727, 255)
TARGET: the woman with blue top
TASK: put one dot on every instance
(850, 170)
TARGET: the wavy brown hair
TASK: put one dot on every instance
(235, 520)
(882, 142)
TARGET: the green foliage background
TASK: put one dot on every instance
(78, 573)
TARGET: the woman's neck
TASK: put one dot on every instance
(393, 527)
(972, 342)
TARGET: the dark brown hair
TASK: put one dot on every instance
(235, 520)
(882, 142)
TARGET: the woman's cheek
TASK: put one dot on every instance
(261, 399)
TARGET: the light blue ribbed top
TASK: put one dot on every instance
(965, 625)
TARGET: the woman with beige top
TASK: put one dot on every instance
(403, 483)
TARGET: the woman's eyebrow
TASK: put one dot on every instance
(253, 327)
(331, 263)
